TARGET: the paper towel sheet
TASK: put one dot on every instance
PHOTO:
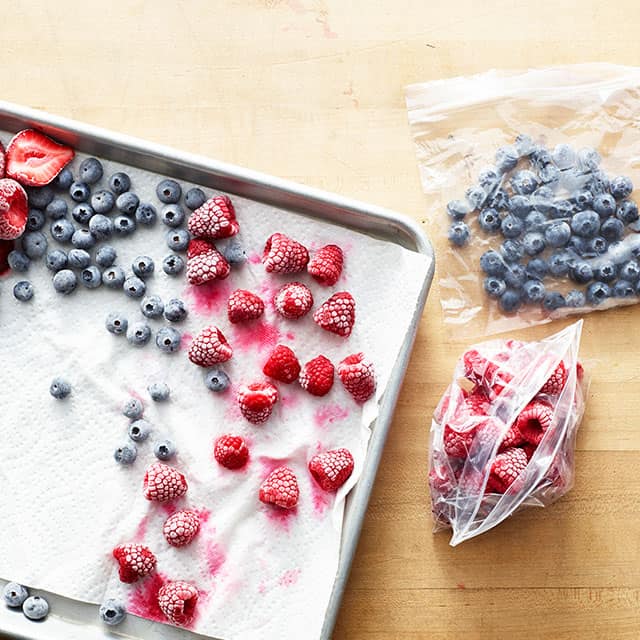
(262, 572)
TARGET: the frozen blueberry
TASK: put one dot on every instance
(605, 271)
(457, 209)
(138, 334)
(621, 187)
(553, 300)
(588, 159)
(583, 199)
(234, 252)
(561, 209)
(494, 287)
(35, 220)
(139, 430)
(194, 198)
(581, 272)
(79, 191)
(217, 380)
(105, 256)
(164, 450)
(126, 454)
(540, 157)
(537, 269)
(14, 594)
(533, 243)
(172, 264)
(56, 260)
(127, 203)
(64, 179)
(557, 234)
(506, 158)
(57, 209)
(585, 223)
(564, 156)
(173, 214)
(123, 225)
(544, 192)
(152, 306)
(34, 244)
(133, 408)
(510, 301)
(83, 239)
(112, 612)
(604, 205)
(549, 174)
(113, 277)
(168, 339)
(458, 234)
(575, 299)
(630, 270)
(159, 391)
(523, 144)
(101, 227)
(488, 179)
(558, 263)
(178, 239)
(146, 214)
(489, 220)
(168, 191)
(116, 323)
(524, 182)
(533, 290)
(59, 388)
(65, 281)
(612, 229)
(62, 230)
(535, 221)
(82, 213)
(143, 266)
(515, 276)
(23, 290)
(18, 260)
(624, 289)
(492, 264)
(102, 201)
(35, 608)
(520, 206)
(475, 196)
(90, 170)
(596, 246)
(40, 197)
(627, 211)
(119, 182)
(511, 226)
(499, 199)
(134, 287)
(174, 310)
(78, 259)
(599, 183)
(91, 277)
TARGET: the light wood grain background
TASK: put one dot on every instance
(312, 90)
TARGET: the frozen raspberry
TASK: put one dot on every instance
(177, 600)
(332, 468)
(282, 365)
(555, 384)
(317, 375)
(181, 528)
(505, 470)
(231, 451)
(326, 265)
(216, 218)
(14, 209)
(534, 421)
(293, 300)
(280, 488)
(284, 255)
(244, 305)
(163, 483)
(337, 314)
(256, 401)
(205, 263)
(358, 377)
(210, 347)
(134, 560)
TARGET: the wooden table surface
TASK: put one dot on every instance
(312, 90)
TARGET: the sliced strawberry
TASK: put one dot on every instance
(163, 483)
(506, 469)
(177, 600)
(216, 218)
(256, 401)
(358, 377)
(331, 469)
(14, 209)
(135, 561)
(181, 528)
(337, 314)
(284, 255)
(231, 451)
(280, 488)
(243, 306)
(34, 159)
(293, 300)
(317, 375)
(210, 347)
(282, 365)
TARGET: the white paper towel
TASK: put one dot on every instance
(262, 573)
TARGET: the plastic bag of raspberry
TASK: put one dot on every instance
(503, 435)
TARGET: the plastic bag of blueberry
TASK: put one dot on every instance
(503, 435)
(530, 178)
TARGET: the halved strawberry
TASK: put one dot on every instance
(34, 159)
(14, 209)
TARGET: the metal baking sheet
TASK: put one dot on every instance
(71, 620)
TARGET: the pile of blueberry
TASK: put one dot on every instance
(17, 596)
(559, 216)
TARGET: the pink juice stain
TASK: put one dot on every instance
(141, 529)
(254, 258)
(144, 600)
(289, 577)
(321, 499)
(255, 336)
(210, 297)
(327, 415)
(289, 401)
(215, 556)
(280, 517)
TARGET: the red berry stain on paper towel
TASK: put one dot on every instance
(210, 297)
(255, 335)
(326, 415)
(289, 577)
(144, 600)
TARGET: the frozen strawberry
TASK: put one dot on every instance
(2, 161)
(457, 444)
(256, 401)
(555, 384)
(326, 265)
(316, 376)
(135, 561)
(215, 219)
(358, 377)
(337, 314)
(534, 421)
(284, 255)
(505, 470)
(163, 483)
(205, 263)
(331, 469)
(282, 365)
(181, 528)
(244, 305)
(231, 451)
(293, 300)
(210, 347)
(14, 209)
(280, 488)
(34, 159)
(177, 600)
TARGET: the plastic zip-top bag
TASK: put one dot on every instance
(503, 435)
(529, 178)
